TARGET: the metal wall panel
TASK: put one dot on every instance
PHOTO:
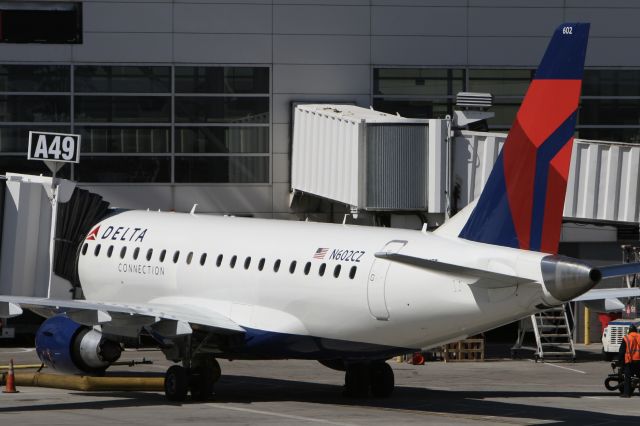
(129, 17)
(423, 21)
(314, 19)
(322, 79)
(222, 18)
(321, 49)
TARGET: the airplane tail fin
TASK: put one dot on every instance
(522, 202)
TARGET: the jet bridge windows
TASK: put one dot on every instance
(203, 259)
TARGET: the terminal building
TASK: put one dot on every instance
(182, 102)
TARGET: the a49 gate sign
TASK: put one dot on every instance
(54, 147)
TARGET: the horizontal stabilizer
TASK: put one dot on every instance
(608, 293)
(498, 279)
(620, 270)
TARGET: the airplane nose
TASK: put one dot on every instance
(566, 278)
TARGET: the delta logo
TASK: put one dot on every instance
(93, 234)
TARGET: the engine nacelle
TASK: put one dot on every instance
(66, 346)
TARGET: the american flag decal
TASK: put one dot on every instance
(320, 253)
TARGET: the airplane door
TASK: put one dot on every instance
(376, 282)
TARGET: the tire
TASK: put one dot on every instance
(203, 378)
(382, 380)
(176, 383)
(609, 386)
(356, 381)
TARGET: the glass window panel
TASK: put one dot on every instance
(222, 110)
(16, 138)
(609, 111)
(414, 108)
(34, 108)
(20, 164)
(611, 83)
(124, 79)
(500, 82)
(125, 139)
(123, 109)
(505, 113)
(124, 169)
(222, 79)
(41, 22)
(222, 169)
(34, 78)
(418, 81)
(608, 134)
(222, 139)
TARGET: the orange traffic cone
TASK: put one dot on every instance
(10, 386)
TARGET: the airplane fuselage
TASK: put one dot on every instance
(308, 290)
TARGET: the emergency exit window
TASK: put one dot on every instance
(40, 22)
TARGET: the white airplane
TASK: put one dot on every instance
(207, 287)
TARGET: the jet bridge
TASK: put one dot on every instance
(42, 223)
(373, 161)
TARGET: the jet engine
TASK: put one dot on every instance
(66, 346)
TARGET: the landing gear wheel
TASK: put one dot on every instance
(382, 381)
(205, 373)
(176, 383)
(357, 381)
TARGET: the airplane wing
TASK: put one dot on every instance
(608, 293)
(167, 318)
(487, 279)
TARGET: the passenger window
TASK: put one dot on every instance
(292, 267)
(307, 268)
(123, 251)
(135, 253)
(189, 258)
(261, 264)
(322, 269)
(276, 265)
(163, 254)
(176, 256)
(219, 260)
(149, 254)
(203, 258)
(247, 262)
(84, 248)
(96, 251)
(109, 251)
(352, 272)
(233, 261)
(336, 271)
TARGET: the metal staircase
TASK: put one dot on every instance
(553, 334)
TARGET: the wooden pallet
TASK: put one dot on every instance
(464, 350)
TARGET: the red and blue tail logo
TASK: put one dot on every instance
(522, 202)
